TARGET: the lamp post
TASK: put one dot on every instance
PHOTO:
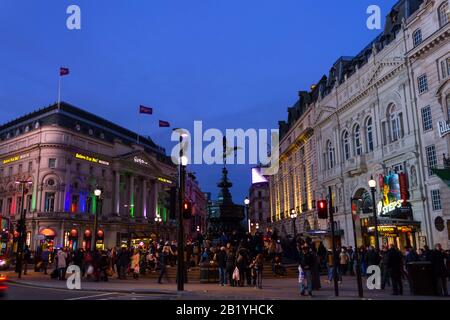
(247, 202)
(97, 194)
(21, 228)
(293, 217)
(358, 269)
(181, 188)
(373, 185)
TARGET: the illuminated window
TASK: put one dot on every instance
(9, 206)
(444, 14)
(74, 203)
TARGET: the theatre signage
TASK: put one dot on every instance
(140, 161)
(444, 128)
(91, 159)
(15, 158)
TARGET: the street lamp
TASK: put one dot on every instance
(97, 194)
(158, 219)
(247, 202)
(373, 185)
(183, 162)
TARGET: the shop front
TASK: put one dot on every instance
(46, 238)
(71, 239)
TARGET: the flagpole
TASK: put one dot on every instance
(59, 91)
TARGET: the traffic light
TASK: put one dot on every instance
(187, 209)
(322, 209)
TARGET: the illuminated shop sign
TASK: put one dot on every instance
(444, 128)
(15, 158)
(392, 229)
(140, 161)
(91, 159)
(390, 207)
(165, 180)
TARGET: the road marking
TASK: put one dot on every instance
(93, 296)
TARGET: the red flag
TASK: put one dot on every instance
(145, 110)
(164, 124)
(63, 71)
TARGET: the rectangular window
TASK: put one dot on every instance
(445, 68)
(30, 166)
(9, 206)
(49, 205)
(10, 171)
(52, 163)
(18, 205)
(422, 83)
(417, 37)
(398, 168)
(259, 194)
(436, 199)
(20, 168)
(427, 121)
(431, 158)
(29, 202)
(74, 203)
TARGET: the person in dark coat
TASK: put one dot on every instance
(372, 257)
(231, 265)
(438, 257)
(221, 259)
(306, 263)
(395, 267)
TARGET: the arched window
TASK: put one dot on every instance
(346, 145)
(357, 140)
(447, 98)
(369, 134)
(444, 14)
(395, 123)
(330, 151)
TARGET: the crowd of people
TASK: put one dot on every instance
(241, 259)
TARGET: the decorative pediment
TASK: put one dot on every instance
(138, 159)
(323, 113)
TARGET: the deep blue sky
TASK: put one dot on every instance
(230, 63)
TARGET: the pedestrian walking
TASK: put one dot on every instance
(62, 264)
(258, 266)
(306, 263)
(163, 260)
(395, 267)
(440, 274)
(26, 259)
(135, 264)
(221, 259)
(231, 265)
(385, 276)
(343, 261)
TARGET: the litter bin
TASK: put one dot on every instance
(209, 273)
(420, 276)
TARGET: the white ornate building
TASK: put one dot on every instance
(367, 119)
(428, 51)
(66, 153)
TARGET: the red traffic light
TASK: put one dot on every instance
(187, 209)
(322, 209)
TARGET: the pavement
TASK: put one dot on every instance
(145, 288)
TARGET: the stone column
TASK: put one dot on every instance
(117, 193)
(131, 204)
(144, 198)
(153, 200)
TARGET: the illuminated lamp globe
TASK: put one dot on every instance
(97, 192)
(372, 183)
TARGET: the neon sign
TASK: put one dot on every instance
(16, 158)
(165, 180)
(91, 159)
(389, 207)
(140, 161)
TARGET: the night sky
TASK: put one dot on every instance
(229, 63)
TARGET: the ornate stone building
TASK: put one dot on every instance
(427, 36)
(293, 190)
(66, 153)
